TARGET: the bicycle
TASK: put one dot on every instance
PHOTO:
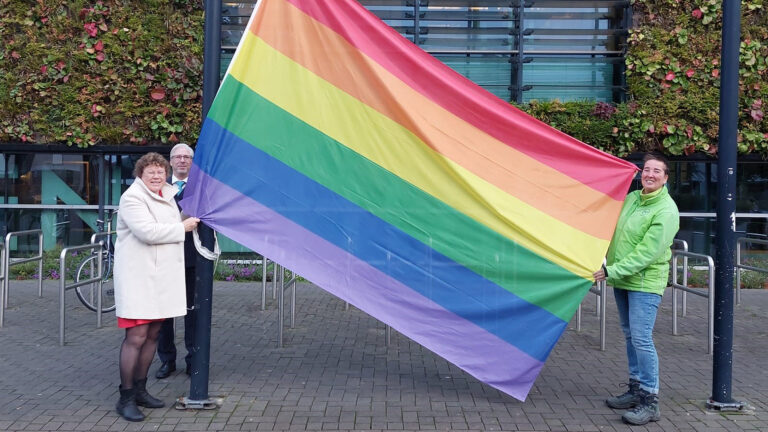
(87, 293)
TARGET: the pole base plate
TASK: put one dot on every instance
(184, 403)
(733, 406)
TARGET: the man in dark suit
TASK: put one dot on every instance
(181, 161)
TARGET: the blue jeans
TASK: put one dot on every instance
(637, 315)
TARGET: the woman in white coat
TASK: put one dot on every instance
(149, 276)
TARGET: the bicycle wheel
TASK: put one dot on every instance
(87, 293)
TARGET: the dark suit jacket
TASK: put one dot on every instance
(189, 245)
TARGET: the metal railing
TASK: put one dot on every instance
(8, 263)
(682, 245)
(2, 281)
(741, 266)
(710, 294)
(63, 286)
(600, 289)
(280, 273)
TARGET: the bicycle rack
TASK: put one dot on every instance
(710, 295)
(280, 273)
(63, 287)
(599, 289)
(682, 245)
(739, 265)
(2, 280)
(8, 263)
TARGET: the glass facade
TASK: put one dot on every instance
(59, 192)
(519, 51)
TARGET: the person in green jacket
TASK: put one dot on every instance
(638, 267)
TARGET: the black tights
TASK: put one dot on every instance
(137, 352)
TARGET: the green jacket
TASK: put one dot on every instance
(638, 257)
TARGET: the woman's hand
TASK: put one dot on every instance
(599, 275)
(190, 223)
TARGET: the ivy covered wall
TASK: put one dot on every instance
(130, 72)
(673, 79)
(100, 72)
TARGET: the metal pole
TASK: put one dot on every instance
(293, 301)
(738, 271)
(604, 300)
(578, 318)
(264, 262)
(722, 362)
(674, 293)
(201, 356)
(100, 284)
(40, 265)
(7, 258)
(62, 289)
(280, 308)
(2, 282)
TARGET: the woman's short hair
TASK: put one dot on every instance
(148, 159)
(659, 157)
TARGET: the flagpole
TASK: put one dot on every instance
(198, 385)
(722, 360)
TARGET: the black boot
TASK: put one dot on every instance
(143, 398)
(629, 399)
(126, 406)
(646, 411)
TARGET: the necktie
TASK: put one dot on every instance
(180, 186)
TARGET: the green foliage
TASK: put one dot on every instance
(100, 72)
(673, 79)
(51, 265)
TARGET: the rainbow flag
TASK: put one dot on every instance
(342, 151)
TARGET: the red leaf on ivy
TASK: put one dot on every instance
(44, 20)
(99, 46)
(697, 13)
(157, 93)
(66, 78)
(690, 72)
(669, 76)
(60, 65)
(756, 114)
(43, 69)
(91, 29)
(100, 56)
(689, 131)
(715, 73)
(15, 55)
(173, 138)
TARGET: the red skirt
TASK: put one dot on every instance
(130, 322)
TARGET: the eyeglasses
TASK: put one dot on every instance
(182, 157)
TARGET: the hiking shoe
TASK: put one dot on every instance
(630, 399)
(646, 411)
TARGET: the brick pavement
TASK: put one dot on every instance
(336, 373)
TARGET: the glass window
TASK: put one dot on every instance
(570, 50)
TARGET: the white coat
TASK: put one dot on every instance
(149, 255)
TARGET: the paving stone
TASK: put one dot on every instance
(335, 372)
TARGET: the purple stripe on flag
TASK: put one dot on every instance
(456, 339)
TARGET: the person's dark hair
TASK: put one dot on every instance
(659, 157)
(148, 159)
